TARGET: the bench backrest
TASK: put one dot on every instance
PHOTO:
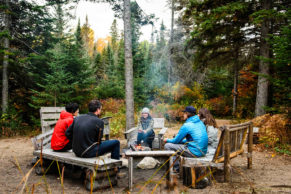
(49, 117)
(159, 123)
(237, 137)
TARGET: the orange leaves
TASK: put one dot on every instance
(219, 106)
(273, 129)
(112, 105)
(247, 85)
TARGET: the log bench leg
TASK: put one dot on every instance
(193, 175)
(189, 176)
(170, 174)
(130, 173)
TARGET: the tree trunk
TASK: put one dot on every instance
(263, 83)
(172, 22)
(235, 80)
(235, 83)
(128, 67)
(171, 43)
(5, 60)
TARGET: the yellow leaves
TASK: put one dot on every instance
(88, 38)
(102, 43)
(273, 128)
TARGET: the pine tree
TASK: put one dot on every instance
(57, 84)
(114, 35)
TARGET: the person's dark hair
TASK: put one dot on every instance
(207, 117)
(72, 107)
(94, 105)
(190, 114)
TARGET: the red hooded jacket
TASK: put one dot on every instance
(59, 139)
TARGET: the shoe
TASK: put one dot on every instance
(132, 147)
(202, 184)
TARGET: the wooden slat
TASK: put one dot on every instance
(232, 155)
(71, 158)
(190, 162)
(170, 170)
(236, 140)
(46, 142)
(43, 135)
(219, 147)
(232, 141)
(159, 123)
(226, 156)
(243, 139)
(49, 123)
(149, 153)
(239, 125)
(193, 175)
(50, 116)
(238, 128)
(130, 173)
(51, 109)
(163, 131)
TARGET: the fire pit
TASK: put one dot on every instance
(139, 148)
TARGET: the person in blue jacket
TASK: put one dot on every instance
(192, 139)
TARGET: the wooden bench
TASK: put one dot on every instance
(134, 157)
(231, 144)
(159, 128)
(50, 115)
(98, 168)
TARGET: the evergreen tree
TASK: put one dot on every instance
(114, 35)
(57, 84)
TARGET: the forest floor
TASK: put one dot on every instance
(271, 173)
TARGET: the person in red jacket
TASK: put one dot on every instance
(59, 141)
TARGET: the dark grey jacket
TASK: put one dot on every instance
(85, 131)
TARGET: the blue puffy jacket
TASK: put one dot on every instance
(196, 136)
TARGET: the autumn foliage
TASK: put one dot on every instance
(273, 129)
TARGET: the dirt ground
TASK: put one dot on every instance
(271, 173)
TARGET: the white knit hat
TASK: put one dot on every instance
(145, 110)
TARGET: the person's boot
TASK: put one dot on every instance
(132, 147)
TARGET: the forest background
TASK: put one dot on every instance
(232, 57)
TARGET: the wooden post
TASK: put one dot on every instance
(250, 146)
(226, 156)
(193, 177)
(181, 166)
(170, 174)
(130, 171)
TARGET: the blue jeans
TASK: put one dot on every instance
(147, 138)
(112, 146)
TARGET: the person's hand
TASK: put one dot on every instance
(165, 140)
(140, 131)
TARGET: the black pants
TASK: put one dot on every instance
(66, 148)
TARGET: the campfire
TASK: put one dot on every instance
(139, 147)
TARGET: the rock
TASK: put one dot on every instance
(148, 163)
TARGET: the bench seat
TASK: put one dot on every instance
(102, 162)
(230, 145)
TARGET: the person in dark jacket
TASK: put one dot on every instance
(59, 141)
(86, 133)
(145, 127)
